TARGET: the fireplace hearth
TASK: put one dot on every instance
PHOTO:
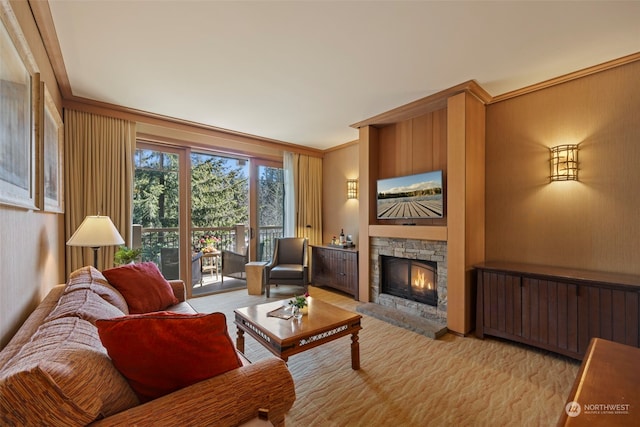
(411, 279)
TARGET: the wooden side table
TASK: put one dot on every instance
(255, 277)
(210, 262)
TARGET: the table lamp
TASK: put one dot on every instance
(96, 231)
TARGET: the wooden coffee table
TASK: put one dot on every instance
(285, 337)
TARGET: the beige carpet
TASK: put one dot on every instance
(407, 379)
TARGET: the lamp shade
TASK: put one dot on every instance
(96, 231)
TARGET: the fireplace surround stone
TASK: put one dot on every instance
(426, 250)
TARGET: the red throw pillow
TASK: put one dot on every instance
(143, 287)
(159, 353)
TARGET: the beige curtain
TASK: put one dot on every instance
(308, 186)
(98, 179)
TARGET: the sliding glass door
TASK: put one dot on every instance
(157, 206)
(219, 213)
(269, 207)
(190, 206)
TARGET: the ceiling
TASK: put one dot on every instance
(302, 71)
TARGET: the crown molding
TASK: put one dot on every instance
(434, 102)
(568, 77)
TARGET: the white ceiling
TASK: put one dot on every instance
(303, 71)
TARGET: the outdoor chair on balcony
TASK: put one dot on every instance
(289, 264)
(233, 264)
(169, 265)
(196, 269)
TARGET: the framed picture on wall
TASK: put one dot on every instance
(18, 98)
(52, 154)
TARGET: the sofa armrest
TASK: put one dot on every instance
(179, 290)
(229, 399)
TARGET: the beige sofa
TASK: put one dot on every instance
(56, 372)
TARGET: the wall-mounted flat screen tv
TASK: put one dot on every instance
(411, 197)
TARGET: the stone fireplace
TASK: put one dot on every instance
(415, 263)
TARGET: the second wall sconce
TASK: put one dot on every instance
(352, 189)
(564, 163)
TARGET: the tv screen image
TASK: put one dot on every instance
(411, 197)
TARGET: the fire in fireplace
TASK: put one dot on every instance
(410, 279)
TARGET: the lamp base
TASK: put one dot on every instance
(95, 256)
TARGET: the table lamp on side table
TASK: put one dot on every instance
(94, 232)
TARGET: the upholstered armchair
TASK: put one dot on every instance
(233, 264)
(289, 265)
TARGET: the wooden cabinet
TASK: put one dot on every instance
(336, 268)
(556, 309)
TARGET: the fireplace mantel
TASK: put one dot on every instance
(422, 232)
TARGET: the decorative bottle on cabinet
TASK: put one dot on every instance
(342, 238)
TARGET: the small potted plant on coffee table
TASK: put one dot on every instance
(297, 304)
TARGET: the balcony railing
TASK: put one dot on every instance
(266, 237)
(153, 240)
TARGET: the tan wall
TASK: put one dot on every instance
(31, 243)
(337, 211)
(593, 223)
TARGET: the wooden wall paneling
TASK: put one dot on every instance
(368, 150)
(474, 205)
(456, 213)
(465, 206)
(422, 158)
(404, 148)
(387, 151)
(439, 131)
(395, 150)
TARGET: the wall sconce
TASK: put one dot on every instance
(352, 189)
(564, 163)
